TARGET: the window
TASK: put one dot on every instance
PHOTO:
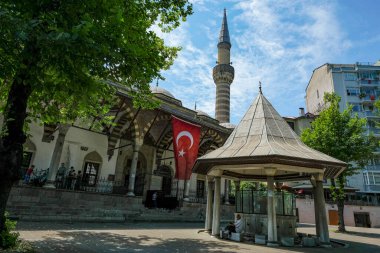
(356, 107)
(372, 178)
(350, 76)
(376, 160)
(200, 188)
(90, 174)
(366, 75)
(317, 94)
(353, 92)
(291, 124)
(26, 160)
(376, 178)
(372, 123)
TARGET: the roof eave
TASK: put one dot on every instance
(204, 166)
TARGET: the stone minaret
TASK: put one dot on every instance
(223, 74)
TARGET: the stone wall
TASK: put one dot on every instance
(43, 204)
(306, 212)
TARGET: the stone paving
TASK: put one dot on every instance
(168, 237)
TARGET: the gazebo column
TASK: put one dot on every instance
(321, 216)
(272, 223)
(317, 223)
(186, 192)
(132, 172)
(216, 211)
(208, 221)
(227, 192)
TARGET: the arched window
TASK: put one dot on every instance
(91, 168)
(29, 151)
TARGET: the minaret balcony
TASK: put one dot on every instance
(223, 72)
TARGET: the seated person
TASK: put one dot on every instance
(237, 226)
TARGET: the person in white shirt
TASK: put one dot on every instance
(237, 226)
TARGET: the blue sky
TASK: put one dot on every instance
(277, 42)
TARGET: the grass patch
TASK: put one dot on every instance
(21, 247)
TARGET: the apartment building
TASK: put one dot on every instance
(358, 85)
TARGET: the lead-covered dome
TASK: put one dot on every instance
(159, 90)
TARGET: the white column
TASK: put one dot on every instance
(132, 172)
(324, 237)
(208, 221)
(227, 192)
(216, 213)
(317, 223)
(186, 191)
(57, 152)
(272, 223)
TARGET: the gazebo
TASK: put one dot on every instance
(264, 148)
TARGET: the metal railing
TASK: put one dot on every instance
(373, 167)
(255, 202)
(101, 185)
(368, 82)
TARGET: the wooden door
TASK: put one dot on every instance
(333, 217)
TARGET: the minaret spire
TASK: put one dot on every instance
(223, 74)
(224, 35)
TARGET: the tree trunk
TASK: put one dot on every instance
(340, 204)
(341, 227)
(5, 188)
(13, 136)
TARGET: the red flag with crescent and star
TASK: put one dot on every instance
(186, 143)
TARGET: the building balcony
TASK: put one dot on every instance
(374, 130)
(369, 82)
(365, 114)
(373, 167)
(368, 99)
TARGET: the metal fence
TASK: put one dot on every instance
(255, 202)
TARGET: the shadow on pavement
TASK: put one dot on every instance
(92, 242)
(39, 226)
(362, 234)
(88, 242)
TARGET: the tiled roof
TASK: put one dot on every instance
(263, 135)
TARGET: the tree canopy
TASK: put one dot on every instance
(68, 49)
(341, 135)
(57, 59)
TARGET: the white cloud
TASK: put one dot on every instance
(278, 42)
(286, 40)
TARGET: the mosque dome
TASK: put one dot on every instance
(159, 90)
(228, 125)
(202, 113)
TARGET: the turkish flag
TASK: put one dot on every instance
(186, 143)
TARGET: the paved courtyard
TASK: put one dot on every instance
(167, 237)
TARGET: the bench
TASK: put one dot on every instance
(238, 237)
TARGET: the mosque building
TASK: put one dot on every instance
(134, 155)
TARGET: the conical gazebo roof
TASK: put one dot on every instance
(264, 139)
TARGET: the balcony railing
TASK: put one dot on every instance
(369, 82)
(373, 167)
(373, 130)
(368, 99)
(368, 114)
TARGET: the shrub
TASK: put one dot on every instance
(9, 239)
